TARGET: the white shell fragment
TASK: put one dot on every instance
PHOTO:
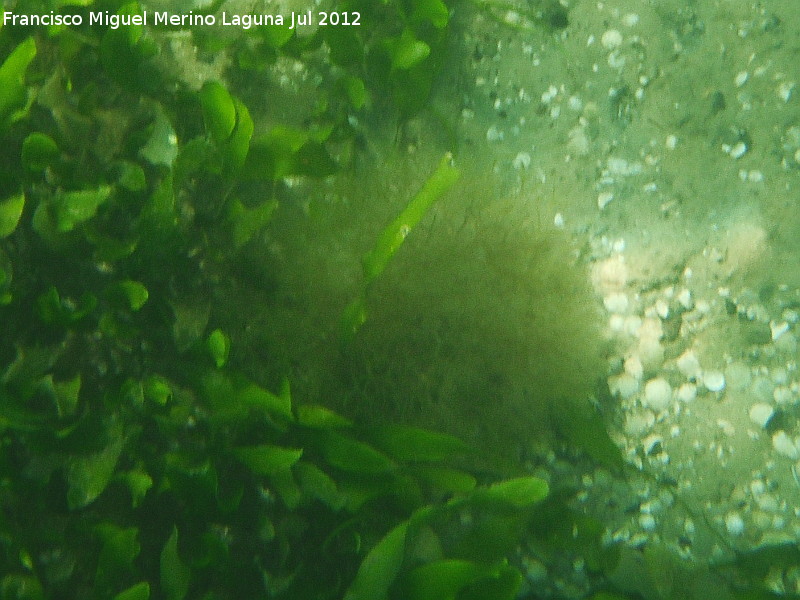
(650, 442)
(623, 385)
(761, 413)
(647, 522)
(611, 39)
(685, 299)
(714, 381)
(521, 161)
(778, 329)
(657, 394)
(638, 423)
(633, 367)
(603, 199)
(616, 302)
(687, 392)
(734, 523)
(688, 365)
(784, 445)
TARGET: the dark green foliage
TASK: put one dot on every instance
(135, 464)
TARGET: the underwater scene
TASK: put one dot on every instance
(399, 300)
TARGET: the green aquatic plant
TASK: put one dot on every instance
(393, 236)
(138, 462)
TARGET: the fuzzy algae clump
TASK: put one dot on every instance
(481, 324)
(479, 330)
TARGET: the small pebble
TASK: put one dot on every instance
(738, 150)
(616, 302)
(603, 199)
(688, 365)
(647, 522)
(685, 299)
(734, 523)
(639, 423)
(657, 394)
(778, 329)
(784, 445)
(714, 381)
(671, 142)
(633, 366)
(521, 161)
(687, 392)
(493, 134)
(761, 413)
(650, 443)
(611, 39)
(623, 385)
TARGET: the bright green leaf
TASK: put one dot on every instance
(355, 313)
(414, 444)
(434, 11)
(135, 292)
(38, 151)
(446, 479)
(284, 484)
(518, 493)
(157, 390)
(273, 156)
(356, 92)
(581, 425)
(267, 459)
(139, 591)
(21, 587)
(12, 79)
(247, 222)
(130, 294)
(501, 585)
(276, 36)
(88, 476)
(162, 146)
(407, 51)
(319, 417)
(257, 397)
(131, 176)
(10, 213)
(236, 396)
(174, 572)
(219, 346)
(395, 233)
(138, 482)
(73, 208)
(120, 547)
(219, 111)
(238, 145)
(443, 579)
(55, 311)
(67, 396)
(380, 567)
(318, 484)
(351, 455)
